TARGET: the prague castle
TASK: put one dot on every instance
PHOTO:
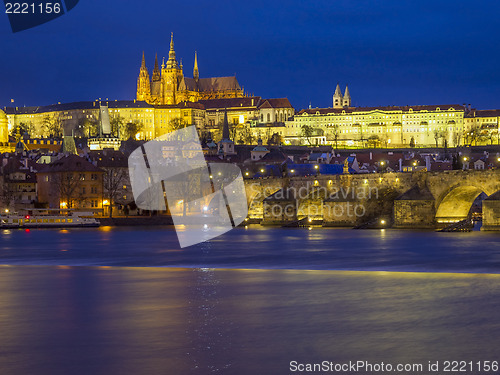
(170, 86)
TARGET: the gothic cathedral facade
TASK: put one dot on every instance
(170, 86)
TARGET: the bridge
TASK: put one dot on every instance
(408, 200)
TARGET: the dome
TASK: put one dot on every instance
(260, 148)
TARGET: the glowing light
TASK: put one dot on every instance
(6, 210)
(211, 176)
(330, 182)
(365, 181)
(310, 220)
(205, 208)
(465, 158)
(63, 204)
(382, 163)
(138, 136)
(105, 201)
(247, 174)
(382, 222)
(414, 163)
(181, 201)
(316, 166)
(292, 171)
(241, 119)
(262, 171)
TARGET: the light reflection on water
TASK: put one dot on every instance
(279, 302)
(93, 320)
(257, 248)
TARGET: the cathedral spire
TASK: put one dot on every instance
(196, 74)
(346, 94)
(346, 101)
(337, 91)
(337, 98)
(156, 70)
(143, 64)
(171, 62)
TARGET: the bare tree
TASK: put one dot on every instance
(67, 186)
(113, 181)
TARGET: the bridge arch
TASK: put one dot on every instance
(456, 202)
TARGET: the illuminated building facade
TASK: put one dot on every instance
(416, 126)
(169, 85)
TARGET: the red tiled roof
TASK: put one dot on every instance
(69, 163)
(276, 103)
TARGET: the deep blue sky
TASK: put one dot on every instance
(389, 52)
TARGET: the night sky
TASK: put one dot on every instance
(389, 52)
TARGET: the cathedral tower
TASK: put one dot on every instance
(347, 98)
(337, 98)
(156, 84)
(196, 74)
(143, 88)
(170, 75)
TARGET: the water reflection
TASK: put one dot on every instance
(118, 320)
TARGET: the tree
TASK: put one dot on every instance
(131, 129)
(335, 132)
(113, 181)
(473, 135)
(373, 141)
(67, 186)
(275, 139)
(87, 127)
(412, 142)
(52, 126)
(23, 128)
(245, 135)
(117, 126)
(6, 194)
(307, 133)
(177, 123)
(437, 135)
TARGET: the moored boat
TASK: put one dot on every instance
(73, 220)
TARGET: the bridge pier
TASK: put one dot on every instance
(491, 213)
(415, 209)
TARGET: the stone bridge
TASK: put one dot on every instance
(416, 199)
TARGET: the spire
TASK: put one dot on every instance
(143, 64)
(171, 62)
(346, 101)
(337, 91)
(225, 128)
(196, 74)
(346, 94)
(337, 98)
(156, 70)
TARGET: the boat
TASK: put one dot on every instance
(73, 220)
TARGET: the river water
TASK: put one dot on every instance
(130, 301)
